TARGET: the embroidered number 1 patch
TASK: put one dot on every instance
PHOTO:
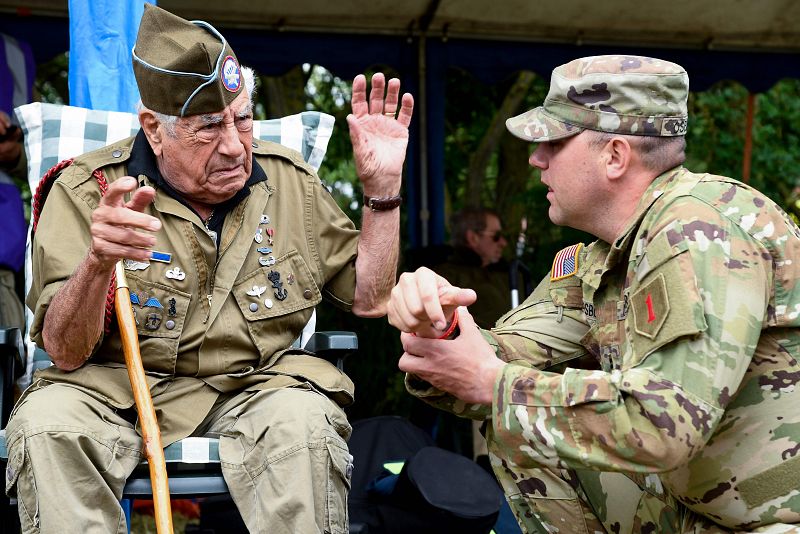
(650, 305)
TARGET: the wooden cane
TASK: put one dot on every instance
(151, 435)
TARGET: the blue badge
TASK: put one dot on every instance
(135, 299)
(164, 257)
(152, 302)
(231, 76)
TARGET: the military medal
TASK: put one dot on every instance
(258, 237)
(153, 319)
(256, 291)
(163, 257)
(280, 291)
(176, 274)
(267, 261)
(265, 219)
(152, 302)
(133, 265)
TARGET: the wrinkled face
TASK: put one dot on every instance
(489, 243)
(570, 170)
(211, 156)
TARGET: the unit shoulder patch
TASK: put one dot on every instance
(650, 305)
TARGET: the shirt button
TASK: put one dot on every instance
(170, 324)
(117, 153)
(307, 294)
(253, 307)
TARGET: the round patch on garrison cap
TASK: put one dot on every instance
(231, 75)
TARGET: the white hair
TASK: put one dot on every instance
(169, 121)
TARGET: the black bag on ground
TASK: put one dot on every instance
(440, 491)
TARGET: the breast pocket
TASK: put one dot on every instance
(277, 301)
(160, 313)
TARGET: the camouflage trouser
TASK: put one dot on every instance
(579, 501)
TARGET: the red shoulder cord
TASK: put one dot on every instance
(42, 190)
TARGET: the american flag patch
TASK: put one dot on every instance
(565, 263)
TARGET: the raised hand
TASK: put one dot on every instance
(379, 133)
(119, 229)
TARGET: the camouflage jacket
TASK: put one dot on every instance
(693, 319)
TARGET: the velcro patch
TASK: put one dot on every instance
(650, 306)
(673, 126)
(565, 264)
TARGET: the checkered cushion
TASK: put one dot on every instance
(54, 133)
(193, 451)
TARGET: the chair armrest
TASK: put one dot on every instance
(333, 346)
(12, 363)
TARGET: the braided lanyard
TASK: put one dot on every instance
(42, 190)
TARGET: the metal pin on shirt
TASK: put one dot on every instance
(164, 257)
(267, 261)
(176, 274)
(259, 237)
(256, 291)
(280, 291)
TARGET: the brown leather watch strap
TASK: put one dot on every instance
(382, 203)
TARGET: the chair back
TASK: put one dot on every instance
(53, 133)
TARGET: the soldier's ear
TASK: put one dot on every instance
(150, 125)
(616, 155)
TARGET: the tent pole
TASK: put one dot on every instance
(422, 105)
(748, 137)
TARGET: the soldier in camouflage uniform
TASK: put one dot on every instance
(649, 383)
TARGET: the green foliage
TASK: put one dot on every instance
(716, 136)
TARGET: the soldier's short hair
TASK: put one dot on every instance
(658, 154)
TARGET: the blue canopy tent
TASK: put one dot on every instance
(755, 43)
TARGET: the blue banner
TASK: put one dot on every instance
(17, 73)
(101, 36)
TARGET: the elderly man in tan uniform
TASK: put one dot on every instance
(229, 243)
(650, 383)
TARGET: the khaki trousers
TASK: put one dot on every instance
(283, 451)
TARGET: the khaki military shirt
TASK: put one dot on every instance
(693, 316)
(212, 319)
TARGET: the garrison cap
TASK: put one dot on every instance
(631, 95)
(183, 67)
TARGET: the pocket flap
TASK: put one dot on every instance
(279, 289)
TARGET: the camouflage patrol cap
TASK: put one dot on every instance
(631, 95)
(182, 67)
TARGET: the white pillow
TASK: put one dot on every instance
(53, 133)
